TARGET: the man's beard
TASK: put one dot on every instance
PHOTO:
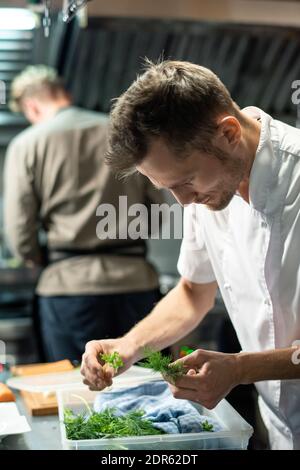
(223, 202)
(236, 171)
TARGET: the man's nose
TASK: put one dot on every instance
(184, 199)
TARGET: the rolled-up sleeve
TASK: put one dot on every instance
(194, 263)
(21, 205)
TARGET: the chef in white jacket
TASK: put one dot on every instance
(237, 172)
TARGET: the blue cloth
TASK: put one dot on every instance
(169, 414)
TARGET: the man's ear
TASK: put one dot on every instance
(32, 105)
(31, 109)
(229, 131)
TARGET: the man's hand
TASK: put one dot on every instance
(210, 377)
(98, 375)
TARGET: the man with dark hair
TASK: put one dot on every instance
(56, 178)
(237, 174)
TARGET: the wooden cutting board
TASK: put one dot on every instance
(45, 368)
(41, 404)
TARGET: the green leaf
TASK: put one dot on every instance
(206, 426)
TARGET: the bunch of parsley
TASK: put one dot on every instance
(114, 360)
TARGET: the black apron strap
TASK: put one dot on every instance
(137, 249)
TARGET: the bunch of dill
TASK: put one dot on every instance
(107, 424)
(156, 361)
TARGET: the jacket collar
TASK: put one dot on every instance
(264, 172)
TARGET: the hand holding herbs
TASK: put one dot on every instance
(154, 360)
(114, 360)
(97, 374)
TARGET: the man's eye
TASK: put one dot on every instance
(182, 185)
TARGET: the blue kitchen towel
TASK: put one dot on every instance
(169, 414)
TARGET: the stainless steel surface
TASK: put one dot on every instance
(46, 19)
(72, 9)
(44, 434)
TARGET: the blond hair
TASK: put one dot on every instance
(35, 80)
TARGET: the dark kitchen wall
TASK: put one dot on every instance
(258, 64)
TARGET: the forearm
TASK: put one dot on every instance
(23, 243)
(276, 364)
(178, 313)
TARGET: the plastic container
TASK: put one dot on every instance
(234, 435)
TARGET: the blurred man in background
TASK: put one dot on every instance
(54, 179)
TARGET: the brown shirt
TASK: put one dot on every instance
(55, 177)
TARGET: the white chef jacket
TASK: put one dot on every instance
(253, 252)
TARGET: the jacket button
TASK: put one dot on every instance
(227, 286)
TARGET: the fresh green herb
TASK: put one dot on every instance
(156, 361)
(206, 426)
(114, 360)
(107, 425)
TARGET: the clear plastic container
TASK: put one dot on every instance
(235, 432)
